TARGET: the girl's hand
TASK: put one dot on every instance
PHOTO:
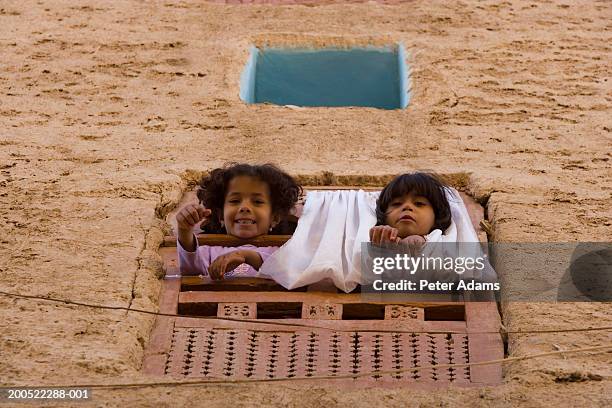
(383, 234)
(192, 214)
(225, 263)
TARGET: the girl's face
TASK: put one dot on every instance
(247, 211)
(411, 215)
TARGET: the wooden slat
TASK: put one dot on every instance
(307, 325)
(326, 285)
(327, 188)
(161, 334)
(308, 297)
(483, 317)
(168, 302)
(242, 284)
(486, 347)
(231, 241)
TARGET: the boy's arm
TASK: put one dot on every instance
(384, 234)
(414, 240)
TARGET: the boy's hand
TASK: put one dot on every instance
(383, 234)
(415, 244)
(192, 214)
(225, 263)
(413, 240)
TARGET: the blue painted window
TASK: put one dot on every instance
(372, 76)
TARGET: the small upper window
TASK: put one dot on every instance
(369, 76)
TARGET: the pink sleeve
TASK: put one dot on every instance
(265, 252)
(196, 262)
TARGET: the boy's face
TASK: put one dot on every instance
(411, 215)
(247, 211)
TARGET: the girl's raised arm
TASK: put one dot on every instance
(187, 218)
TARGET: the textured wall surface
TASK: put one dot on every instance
(109, 109)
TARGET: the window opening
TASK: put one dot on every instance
(363, 76)
(334, 333)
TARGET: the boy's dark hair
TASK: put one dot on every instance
(427, 185)
(284, 192)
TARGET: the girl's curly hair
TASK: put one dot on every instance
(284, 192)
(426, 185)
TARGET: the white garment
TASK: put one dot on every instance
(328, 240)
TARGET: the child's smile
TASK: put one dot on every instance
(411, 215)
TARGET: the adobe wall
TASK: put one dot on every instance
(110, 109)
